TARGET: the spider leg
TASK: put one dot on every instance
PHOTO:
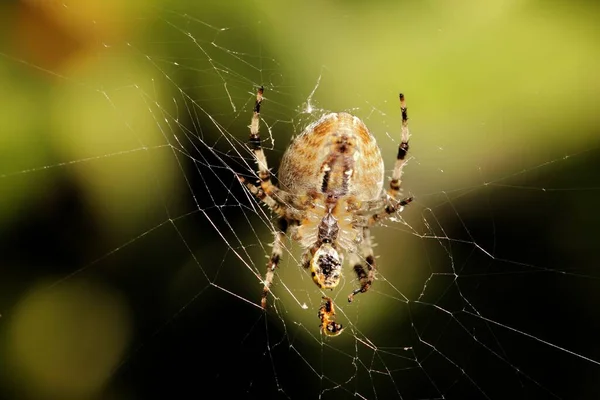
(390, 200)
(308, 254)
(277, 199)
(365, 272)
(390, 209)
(255, 144)
(396, 181)
(281, 202)
(274, 260)
(374, 211)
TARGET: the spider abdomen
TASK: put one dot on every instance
(336, 155)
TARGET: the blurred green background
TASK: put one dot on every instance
(128, 247)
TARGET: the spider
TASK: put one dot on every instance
(330, 194)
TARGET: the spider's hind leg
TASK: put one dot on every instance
(276, 255)
(363, 265)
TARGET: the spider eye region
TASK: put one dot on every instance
(326, 267)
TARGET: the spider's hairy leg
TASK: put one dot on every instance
(393, 203)
(396, 181)
(274, 260)
(255, 145)
(374, 211)
(281, 202)
(365, 272)
(389, 210)
(262, 196)
(308, 255)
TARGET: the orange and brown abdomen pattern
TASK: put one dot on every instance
(335, 155)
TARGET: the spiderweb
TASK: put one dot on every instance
(133, 258)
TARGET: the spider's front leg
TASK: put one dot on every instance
(396, 182)
(255, 144)
(280, 201)
(394, 204)
(264, 194)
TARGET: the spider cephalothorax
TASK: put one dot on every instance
(330, 194)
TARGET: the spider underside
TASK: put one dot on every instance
(330, 194)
